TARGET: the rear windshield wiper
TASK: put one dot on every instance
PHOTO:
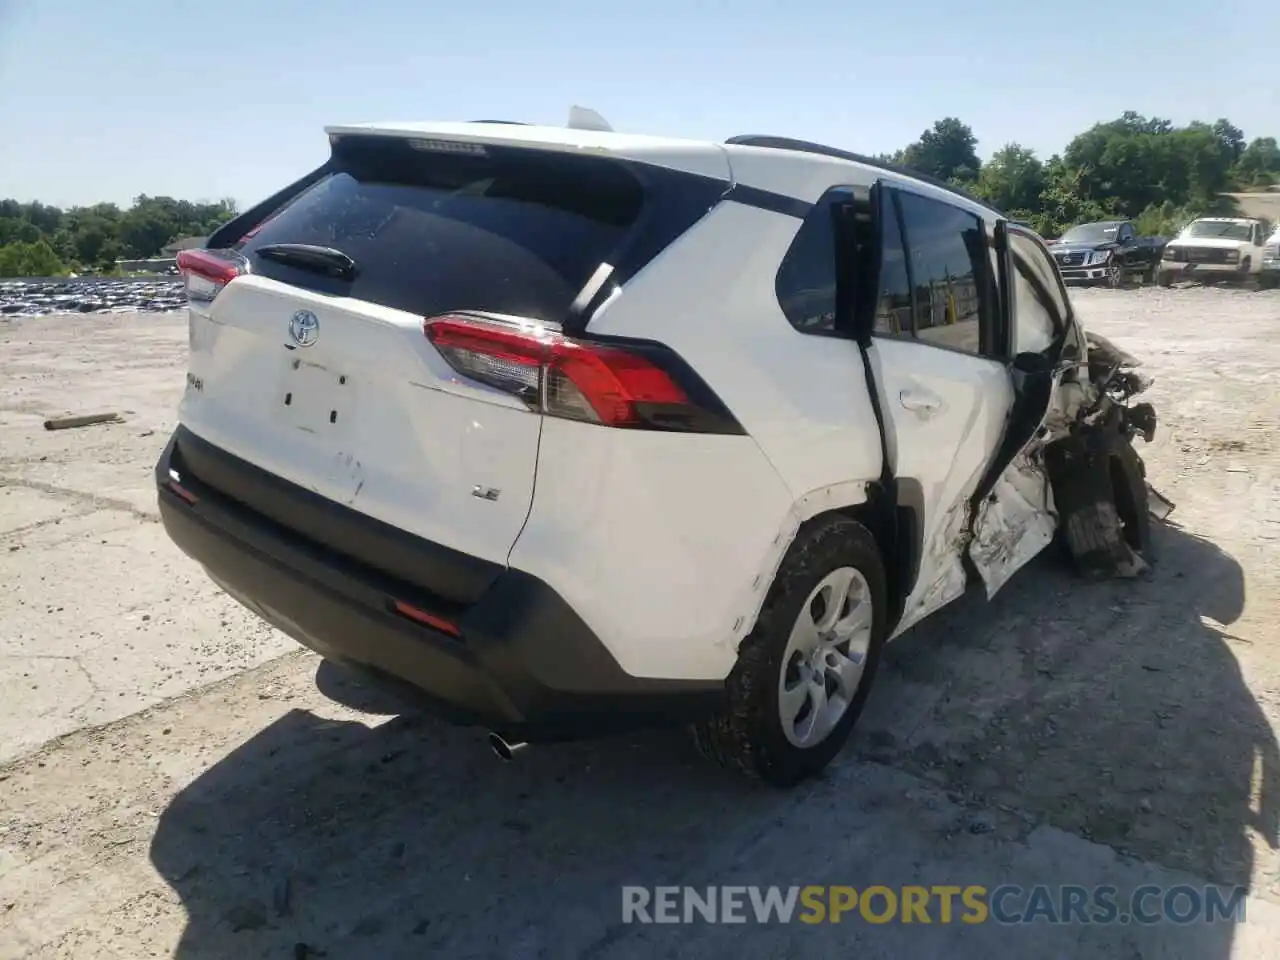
(326, 260)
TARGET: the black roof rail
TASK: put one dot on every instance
(804, 146)
(514, 123)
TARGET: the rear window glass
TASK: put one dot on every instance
(508, 231)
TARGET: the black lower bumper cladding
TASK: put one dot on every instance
(522, 662)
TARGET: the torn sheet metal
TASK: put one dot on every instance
(1014, 523)
(1078, 473)
(1158, 505)
(944, 553)
(1018, 518)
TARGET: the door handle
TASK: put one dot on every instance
(919, 401)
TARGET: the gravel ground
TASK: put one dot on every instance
(1064, 733)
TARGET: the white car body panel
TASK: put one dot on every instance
(410, 441)
(804, 399)
(655, 539)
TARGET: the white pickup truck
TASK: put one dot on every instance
(1215, 248)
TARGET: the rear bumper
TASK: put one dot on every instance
(524, 664)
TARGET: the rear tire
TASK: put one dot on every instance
(816, 644)
(1164, 278)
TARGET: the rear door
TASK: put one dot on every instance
(325, 378)
(945, 389)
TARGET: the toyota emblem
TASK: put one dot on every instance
(304, 328)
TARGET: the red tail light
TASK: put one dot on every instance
(206, 272)
(598, 383)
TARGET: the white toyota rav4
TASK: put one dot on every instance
(565, 431)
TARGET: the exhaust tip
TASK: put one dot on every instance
(502, 749)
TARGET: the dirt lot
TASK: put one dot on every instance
(1064, 733)
(1262, 204)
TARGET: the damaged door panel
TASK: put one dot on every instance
(1016, 514)
(1073, 468)
(1013, 511)
(1015, 424)
(940, 376)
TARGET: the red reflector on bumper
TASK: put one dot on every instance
(182, 491)
(426, 619)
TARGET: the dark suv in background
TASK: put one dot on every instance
(1107, 252)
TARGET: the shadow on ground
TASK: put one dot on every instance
(1116, 711)
(1113, 711)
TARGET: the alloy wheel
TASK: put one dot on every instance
(825, 658)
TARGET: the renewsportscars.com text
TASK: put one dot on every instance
(972, 904)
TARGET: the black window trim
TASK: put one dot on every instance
(993, 298)
(997, 329)
(890, 204)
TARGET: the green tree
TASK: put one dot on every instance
(99, 235)
(1259, 163)
(17, 230)
(30, 260)
(947, 150)
(1230, 137)
(1063, 201)
(1013, 180)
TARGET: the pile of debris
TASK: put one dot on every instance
(33, 298)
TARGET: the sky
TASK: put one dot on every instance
(102, 100)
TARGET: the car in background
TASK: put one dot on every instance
(1269, 277)
(1210, 249)
(1106, 252)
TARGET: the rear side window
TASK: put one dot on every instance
(806, 283)
(502, 230)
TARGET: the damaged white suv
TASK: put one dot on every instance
(565, 431)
